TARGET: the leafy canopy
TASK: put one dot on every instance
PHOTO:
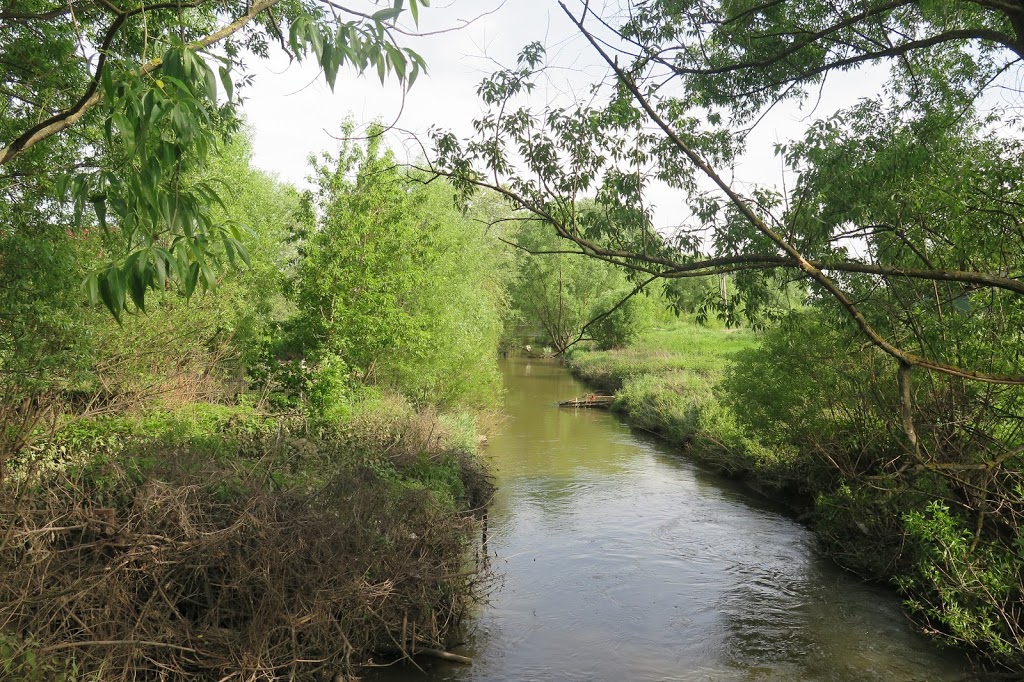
(692, 78)
(111, 107)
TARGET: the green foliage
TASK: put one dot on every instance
(21, 662)
(859, 524)
(667, 382)
(251, 305)
(803, 386)
(928, 517)
(967, 589)
(40, 343)
(328, 390)
(573, 298)
(397, 285)
(443, 478)
(899, 204)
(151, 92)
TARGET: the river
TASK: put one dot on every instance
(622, 560)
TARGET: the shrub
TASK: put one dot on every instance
(973, 591)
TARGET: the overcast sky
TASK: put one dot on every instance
(293, 112)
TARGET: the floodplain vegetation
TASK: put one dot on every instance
(276, 480)
(810, 424)
(175, 467)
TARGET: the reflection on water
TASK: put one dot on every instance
(623, 561)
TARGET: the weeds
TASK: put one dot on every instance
(231, 546)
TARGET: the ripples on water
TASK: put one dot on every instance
(622, 561)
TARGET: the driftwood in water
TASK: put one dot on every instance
(445, 656)
(603, 401)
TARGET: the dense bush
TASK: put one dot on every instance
(397, 286)
(940, 515)
(216, 541)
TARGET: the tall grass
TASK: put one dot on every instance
(667, 382)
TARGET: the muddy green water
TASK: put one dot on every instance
(624, 561)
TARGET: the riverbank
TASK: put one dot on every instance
(212, 541)
(900, 532)
(621, 560)
(665, 383)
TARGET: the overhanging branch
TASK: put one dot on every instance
(93, 95)
(809, 269)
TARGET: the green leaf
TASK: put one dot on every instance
(160, 258)
(329, 62)
(191, 279)
(243, 253)
(316, 40)
(386, 14)
(229, 249)
(92, 288)
(172, 64)
(209, 278)
(137, 283)
(211, 83)
(225, 80)
(111, 290)
(124, 127)
(293, 36)
(100, 205)
(397, 59)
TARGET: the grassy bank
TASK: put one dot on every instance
(814, 427)
(665, 382)
(213, 541)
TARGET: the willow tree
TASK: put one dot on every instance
(108, 104)
(902, 214)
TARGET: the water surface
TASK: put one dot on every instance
(624, 561)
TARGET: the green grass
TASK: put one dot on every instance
(666, 382)
(685, 347)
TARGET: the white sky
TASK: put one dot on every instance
(294, 113)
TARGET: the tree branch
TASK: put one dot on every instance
(92, 96)
(761, 226)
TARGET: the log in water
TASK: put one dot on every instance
(624, 561)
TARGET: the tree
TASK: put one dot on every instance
(690, 79)
(111, 106)
(395, 285)
(571, 297)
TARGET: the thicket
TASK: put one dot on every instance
(395, 287)
(942, 523)
(275, 479)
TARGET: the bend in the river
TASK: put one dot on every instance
(624, 561)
